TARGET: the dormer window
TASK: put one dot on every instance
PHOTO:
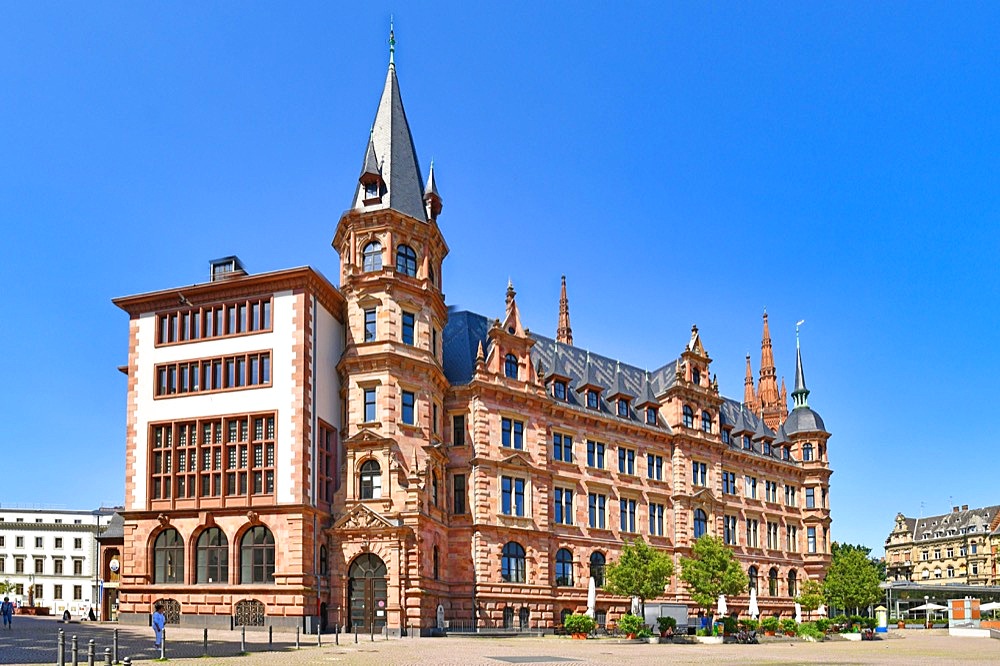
(747, 443)
(725, 437)
(559, 389)
(696, 376)
(786, 454)
(371, 189)
(592, 399)
(622, 407)
(766, 448)
(510, 366)
(651, 415)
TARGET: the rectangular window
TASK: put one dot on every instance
(654, 467)
(327, 464)
(699, 474)
(77, 567)
(458, 485)
(595, 454)
(408, 414)
(771, 491)
(38, 542)
(656, 512)
(458, 430)
(811, 539)
(789, 495)
(77, 592)
(370, 325)
(792, 538)
(370, 414)
(57, 567)
(729, 483)
(729, 530)
(626, 461)
(772, 536)
(57, 592)
(562, 447)
(752, 525)
(434, 418)
(651, 416)
(242, 371)
(77, 544)
(597, 507)
(512, 434)
(810, 498)
(512, 496)
(203, 322)
(39, 565)
(19, 565)
(750, 487)
(627, 513)
(408, 324)
(563, 506)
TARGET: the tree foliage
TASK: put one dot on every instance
(6, 587)
(811, 595)
(641, 571)
(878, 562)
(713, 570)
(853, 578)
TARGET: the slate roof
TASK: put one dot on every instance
(803, 419)
(953, 524)
(114, 530)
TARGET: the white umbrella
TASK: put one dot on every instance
(635, 605)
(723, 607)
(798, 613)
(754, 611)
(821, 611)
(993, 605)
(592, 598)
(932, 606)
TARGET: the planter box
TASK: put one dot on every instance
(709, 640)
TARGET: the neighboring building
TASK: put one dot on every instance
(956, 548)
(111, 543)
(49, 556)
(368, 456)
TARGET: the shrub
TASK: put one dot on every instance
(630, 624)
(857, 620)
(811, 630)
(788, 626)
(749, 624)
(729, 624)
(769, 623)
(644, 632)
(823, 624)
(578, 623)
(870, 622)
(666, 624)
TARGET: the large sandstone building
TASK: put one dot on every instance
(304, 453)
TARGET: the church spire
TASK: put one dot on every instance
(399, 185)
(749, 395)
(768, 396)
(564, 333)
(800, 396)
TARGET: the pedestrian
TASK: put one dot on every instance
(91, 615)
(158, 623)
(7, 611)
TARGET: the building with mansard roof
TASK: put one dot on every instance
(304, 454)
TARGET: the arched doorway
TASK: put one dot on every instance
(367, 593)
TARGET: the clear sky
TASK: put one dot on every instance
(680, 164)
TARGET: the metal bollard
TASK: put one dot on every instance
(128, 661)
(74, 651)
(319, 638)
(90, 652)
(336, 635)
(270, 637)
(163, 644)
(204, 642)
(296, 638)
(61, 644)
(107, 656)
(355, 633)
(114, 646)
(243, 639)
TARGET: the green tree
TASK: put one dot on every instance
(810, 596)
(641, 571)
(878, 562)
(6, 587)
(713, 570)
(852, 581)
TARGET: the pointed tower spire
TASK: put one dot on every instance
(512, 318)
(432, 200)
(749, 395)
(800, 396)
(564, 333)
(391, 148)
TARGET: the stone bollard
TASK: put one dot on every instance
(243, 639)
(90, 652)
(355, 633)
(163, 644)
(270, 637)
(204, 642)
(61, 646)
(114, 648)
(296, 638)
(107, 656)
(74, 651)
(128, 661)
(319, 638)
(336, 635)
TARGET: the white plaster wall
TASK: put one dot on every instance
(328, 350)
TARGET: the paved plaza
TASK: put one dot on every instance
(33, 641)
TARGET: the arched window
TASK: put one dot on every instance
(695, 376)
(371, 480)
(510, 366)
(688, 417)
(323, 564)
(772, 582)
(213, 556)
(597, 563)
(512, 566)
(786, 453)
(807, 452)
(706, 422)
(371, 257)
(257, 556)
(752, 575)
(406, 261)
(792, 580)
(564, 567)
(168, 557)
(700, 523)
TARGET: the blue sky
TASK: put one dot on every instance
(681, 164)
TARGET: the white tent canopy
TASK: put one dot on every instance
(931, 607)
(991, 606)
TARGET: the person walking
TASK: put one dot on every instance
(159, 621)
(7, 611)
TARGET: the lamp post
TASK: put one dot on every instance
(927, 610)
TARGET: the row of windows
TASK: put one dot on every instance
(699, 477)
(560, 391)
(39, 566)
(407, 333)
(808, 453)
(57, 542)
(39, 592)
(407, 408)
(231, 456)
(214, 321)
(706, 419)
(224, 373)
(406, 260)
(950, 551)
(772, 582)
(513, 565)
(730, 533)
(256, 557)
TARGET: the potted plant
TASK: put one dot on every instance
(666, 626)
(630, 625)
(789, 627)
(749, 624)
(769, 625)
(579, 625)
(823, 624)
(728, 625)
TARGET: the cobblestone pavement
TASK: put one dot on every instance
(33, 641)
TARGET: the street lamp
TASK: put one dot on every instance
(927, 610)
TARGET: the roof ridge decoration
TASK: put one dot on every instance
(564, 333)
(618, 385)
(557, 366)
(800, 396)
(512, 318)
(646, 398)
(590, 379)
(401, 187)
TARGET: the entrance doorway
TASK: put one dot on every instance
(367, 593)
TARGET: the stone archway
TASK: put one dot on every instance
(367, 593)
